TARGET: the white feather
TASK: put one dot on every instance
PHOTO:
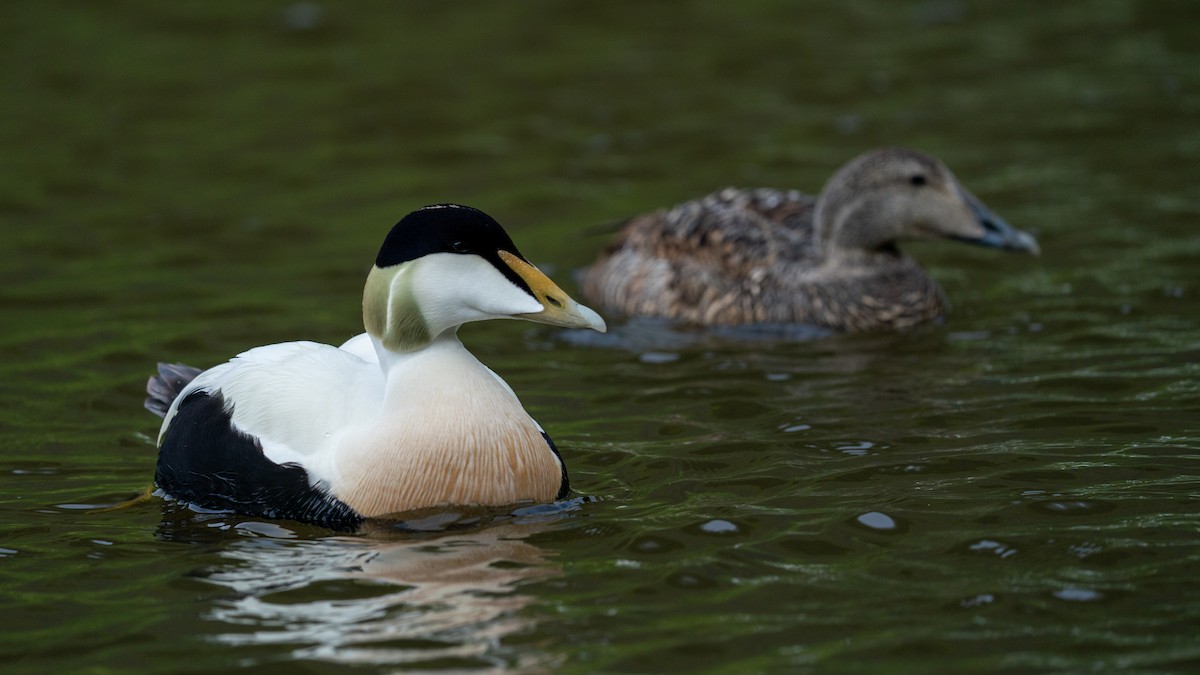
(456, 289)
(361, 346)
(294, 396)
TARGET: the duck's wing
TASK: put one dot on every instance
(293, 397)
(256, 434)
(735, 229)
(696, 258)
(361, 346)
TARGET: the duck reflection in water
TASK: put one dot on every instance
(386, 596)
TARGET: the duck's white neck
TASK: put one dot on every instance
(391, 361)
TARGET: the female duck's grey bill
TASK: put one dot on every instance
(997, 233)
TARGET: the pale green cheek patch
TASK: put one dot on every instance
(390, 309)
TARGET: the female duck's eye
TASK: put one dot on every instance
(917, 179)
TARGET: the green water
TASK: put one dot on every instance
(1016, 490)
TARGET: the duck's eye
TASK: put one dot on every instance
(917, 179)
(458, 247)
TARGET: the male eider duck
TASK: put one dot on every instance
(399, 419)
(741, 256)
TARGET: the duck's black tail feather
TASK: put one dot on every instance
(164, 388)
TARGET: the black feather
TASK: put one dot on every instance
(164, 388)
(564, 488)
(205, 461)
(450, 228)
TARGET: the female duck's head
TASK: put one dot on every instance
(444, 265)
(890, 194)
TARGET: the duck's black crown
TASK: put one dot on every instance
(444, 228)
(449, 228)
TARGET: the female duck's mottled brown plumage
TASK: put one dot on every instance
(776, 256)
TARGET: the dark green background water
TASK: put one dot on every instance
(1015, 490)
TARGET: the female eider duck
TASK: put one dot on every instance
(398, 419)
(775, 256)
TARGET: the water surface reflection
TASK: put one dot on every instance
(444, 599)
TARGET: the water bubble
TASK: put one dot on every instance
(979, 600)
(857, 449)
(40, 471)
(1002, 550)
(1078, 507)
(687, 580)
(877, 521)
(1078, 595)
(718, 526)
